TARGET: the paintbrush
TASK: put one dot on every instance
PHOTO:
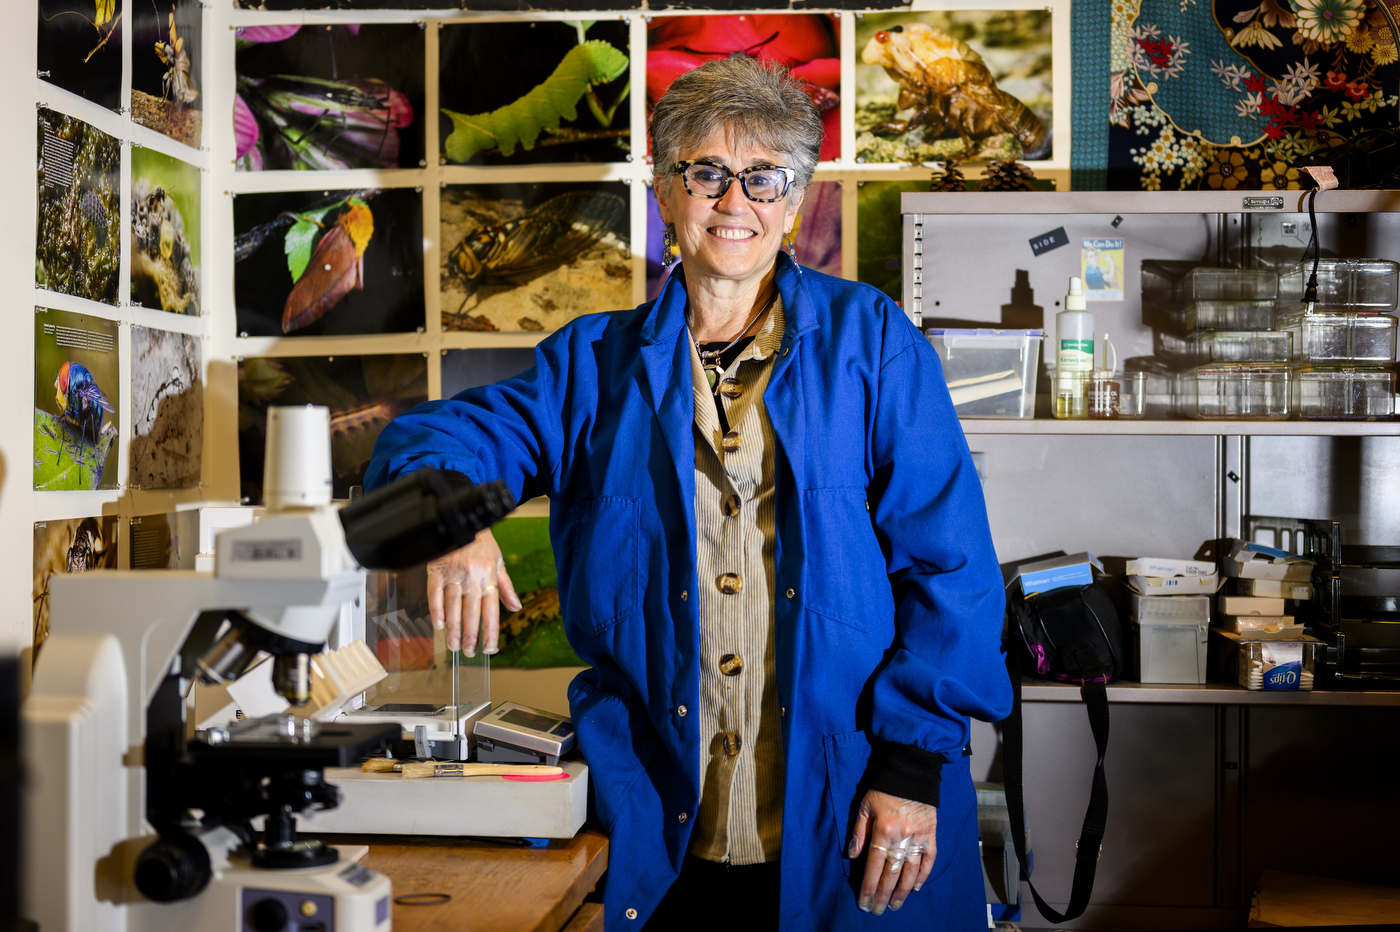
(417, 770)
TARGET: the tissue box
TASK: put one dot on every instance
(1255, 561)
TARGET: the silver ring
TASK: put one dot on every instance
(916, 851)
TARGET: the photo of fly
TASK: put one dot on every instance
(80, 47)
(77, 383)
(533, 256)
(534, 92)
(328, 262)
(167, 67)
(328, 97)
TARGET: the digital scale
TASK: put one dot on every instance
(517, 734)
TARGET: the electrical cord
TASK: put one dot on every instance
(1310, 290)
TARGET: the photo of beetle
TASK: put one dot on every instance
(967, 85)
(533, 256)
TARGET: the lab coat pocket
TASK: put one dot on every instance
(844, 567)
(617, 740)
(599, 578)
(847, 756)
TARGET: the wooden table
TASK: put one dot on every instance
(494, 888)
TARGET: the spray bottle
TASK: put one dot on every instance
(1074, 361)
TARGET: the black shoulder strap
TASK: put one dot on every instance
(1095, 819)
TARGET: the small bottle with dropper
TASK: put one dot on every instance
(1074, 360)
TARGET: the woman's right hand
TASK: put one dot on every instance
(462, 595)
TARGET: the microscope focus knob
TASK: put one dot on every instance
(268, 916)
(174, 868)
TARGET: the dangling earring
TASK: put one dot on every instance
(668, 246)
(792, 246)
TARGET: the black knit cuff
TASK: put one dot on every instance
(906, 771)
(454, 479)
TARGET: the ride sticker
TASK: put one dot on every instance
(1283, 664)
(1101, 268)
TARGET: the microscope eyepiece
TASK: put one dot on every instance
(420, 517)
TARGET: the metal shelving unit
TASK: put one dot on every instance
(1184, 428)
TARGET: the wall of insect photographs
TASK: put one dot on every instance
(391, 205)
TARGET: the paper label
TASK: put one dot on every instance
(1076, 356)
(1283, 664)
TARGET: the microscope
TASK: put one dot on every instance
(136, 822)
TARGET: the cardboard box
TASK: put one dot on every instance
(1255, 561)
(1162, 568)
(1275, 625)
(1075, 569)
(1248, 605)
(1174, 585)
(1274, 588)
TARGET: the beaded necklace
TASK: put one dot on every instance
(710, 359)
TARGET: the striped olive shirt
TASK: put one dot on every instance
(740, 818)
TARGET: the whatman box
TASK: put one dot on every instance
(1255, 561)
(1174, 585)
(1161, 567)
(1274, 588)
(1075, 569)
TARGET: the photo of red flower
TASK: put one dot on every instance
(807, 43)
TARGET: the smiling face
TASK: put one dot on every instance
(729, 238)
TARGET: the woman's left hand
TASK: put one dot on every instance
(903, 844)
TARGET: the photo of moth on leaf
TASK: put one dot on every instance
(166, 65)
(533, 256)
(534, 92)
(80, 47)
(328, 97)
(76, 383)
(329, 262)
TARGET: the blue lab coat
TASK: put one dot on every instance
(888, 600)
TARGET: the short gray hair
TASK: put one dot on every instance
(757, 101)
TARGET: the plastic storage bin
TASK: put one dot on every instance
(1343, 284)
(1339, 336)
(1231, 299)
(1100, 395)
(1209, 346)
(1343, 393)
(990, 373)
(1170, 637)
(1248, 391)
(1285, 665)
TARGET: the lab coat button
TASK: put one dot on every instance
(685, 594)
(730, 442)
(681, 710)
(731, 506)
(631, 914)
(731, 664)
(729, 583)
(682, 817)
(791, 593)
(732, 744)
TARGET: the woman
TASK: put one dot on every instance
(772, 550)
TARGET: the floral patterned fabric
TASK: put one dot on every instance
(1226, 94)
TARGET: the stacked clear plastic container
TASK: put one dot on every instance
(1238, 364)
(1345, 340)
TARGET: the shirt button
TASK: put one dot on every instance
(729, 583)
(731, 388)
(729, 443)
(682, 817)
(791, 593)
(631, 914)
(731, 506)
(681, 710)
(731, 664)
(732, 744)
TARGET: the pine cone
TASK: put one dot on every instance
(1007, 176)
(950, 179)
